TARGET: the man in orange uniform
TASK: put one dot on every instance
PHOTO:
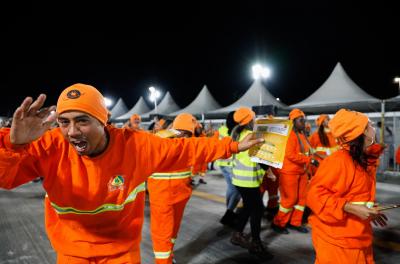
(169, 193)
(341, 195)
(93, 174)
(293, 178)
(135, 121)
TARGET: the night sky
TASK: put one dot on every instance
(122, 49)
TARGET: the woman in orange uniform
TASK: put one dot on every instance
(342, 193)
(322, 141)
(94, 174)
(293, 178)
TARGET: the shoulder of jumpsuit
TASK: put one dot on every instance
(50, 142)
(338, 161)
(127, 135)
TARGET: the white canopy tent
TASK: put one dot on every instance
(139, 108)
(257, 94)
(338, 91)
(118, 109)
(203, 103)
(165, 107)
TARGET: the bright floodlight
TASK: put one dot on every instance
(397, 80)
(154, 94)
(278, 99)
(108, 101)
(260, 71)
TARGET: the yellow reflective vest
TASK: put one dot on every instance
(245, 172)
(223, 132)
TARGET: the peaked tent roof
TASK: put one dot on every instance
(336, 92)
(203, 103)
(392, 104)
(139, 108)
(252, 98)
(166, 106)
(118, 109)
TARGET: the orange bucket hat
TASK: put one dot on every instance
(85, 98)
(295, 113)
(134, 117)
(185, 121)
(347, 125)
(320, 119)
(243, 116)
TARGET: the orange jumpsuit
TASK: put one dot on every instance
(340, 237)
(316, 144)
(398, 155)
(293, 182)
(169, 193)
(94, 205)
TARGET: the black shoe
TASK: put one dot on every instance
(300, 229)
(238, 239)
(229, 219)
(270, 213)
(279, 230)
(257, 248)
(202, 181)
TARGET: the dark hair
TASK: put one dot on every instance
(230, 122)
(357, 152)
(323, 137)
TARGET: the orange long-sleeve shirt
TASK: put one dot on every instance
(94, 206)
(295, 162)
(336, 182)
(316, 144)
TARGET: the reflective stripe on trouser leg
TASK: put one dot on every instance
(162, 226)
(297, 215)
(288, 188)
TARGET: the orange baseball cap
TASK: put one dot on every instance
(320, 119)
(347, 125)
(85, 98)
(295, 113)
(243, 116)
(185, 121)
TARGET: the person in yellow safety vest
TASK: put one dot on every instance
(247, 177)
(225, 165)
(293, 178)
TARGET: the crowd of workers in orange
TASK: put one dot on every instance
(95, 176)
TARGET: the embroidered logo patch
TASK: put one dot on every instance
(73, 94)
(116, 183)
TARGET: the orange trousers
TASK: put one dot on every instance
(165, 222)
(131, 257)
(293, 199)
(327, 253)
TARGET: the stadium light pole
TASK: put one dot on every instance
(154, 94)
(397, 80)
(260, 72)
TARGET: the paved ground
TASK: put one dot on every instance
(201, 239)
